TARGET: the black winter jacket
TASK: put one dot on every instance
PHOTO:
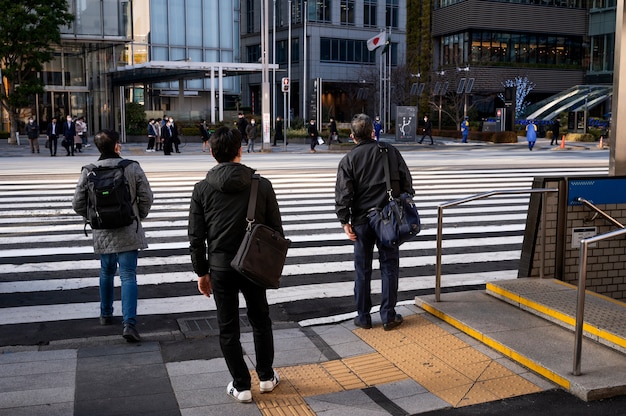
(217, 215)
(361, 181)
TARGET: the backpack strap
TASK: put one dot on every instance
(123, 163)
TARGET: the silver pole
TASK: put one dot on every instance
(274, 66)
(439, 250)
(304, 64)
(289, 67)
(580, 305)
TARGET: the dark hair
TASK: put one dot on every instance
(106, 140)
(225, 144)
(362, 127)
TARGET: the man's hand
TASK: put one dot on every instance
(347, 228)
(204, 285)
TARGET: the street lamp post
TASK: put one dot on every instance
(265, 85)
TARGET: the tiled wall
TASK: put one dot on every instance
(606, 263)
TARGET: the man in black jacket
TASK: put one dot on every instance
(360, 187)
(217, 218)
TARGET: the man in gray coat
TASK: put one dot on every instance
(118, 246)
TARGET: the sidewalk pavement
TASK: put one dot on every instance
(193, 145)
(334, 369)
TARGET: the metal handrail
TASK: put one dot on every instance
(598, 211)
(483, 195)
(582, 282)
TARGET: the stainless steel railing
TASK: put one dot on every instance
(582, 279)
(484, 195)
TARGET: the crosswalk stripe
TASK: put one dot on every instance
(40, 234)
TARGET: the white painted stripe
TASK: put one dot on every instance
(199, 303)
(288, 270)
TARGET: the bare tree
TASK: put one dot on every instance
(30, 31)
(523, 86)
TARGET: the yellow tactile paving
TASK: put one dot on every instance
(420, 350)
(445, 365)
(374, 369)
(311, 380)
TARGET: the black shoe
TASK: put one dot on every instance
(396, 322)
(106, 320)
(420, 142)
(360, 325)
(130, 333)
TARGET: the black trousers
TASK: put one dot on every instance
(226, 286)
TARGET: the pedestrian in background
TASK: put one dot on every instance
(334, 133)
(118, 246)
(217, 224)
(556, 131)
(54, 129)
(428, 130)
(242, 125)
(278, 131)
(313, 134)
(151, 136)
(158, 127)
(464, 129)
(251, 132)
(360, 187)
(167, 138)
(378, 128)
(204, 135)
(175, 137)
(81, 130)
(32, 131)
(531, 134)
(69, 132)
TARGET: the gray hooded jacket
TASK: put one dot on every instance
(121, 239)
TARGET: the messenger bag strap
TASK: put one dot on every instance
(385, 152)
(254, 188)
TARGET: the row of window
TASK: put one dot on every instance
(499, 47)
(331, 50)
(321, 11)
(571, 4)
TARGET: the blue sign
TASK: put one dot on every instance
(604, 190)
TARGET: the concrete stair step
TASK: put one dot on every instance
(540, 345)
(554, 300)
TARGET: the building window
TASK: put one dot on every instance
(498, 48)
(249, 16)
(392, 13)
(569, 4)
(282, 54)
(347, 12)
(369, 14)
(253, 53)
(602, 53)
(345, 51)
(319, 11)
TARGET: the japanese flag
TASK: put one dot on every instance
(377, 41)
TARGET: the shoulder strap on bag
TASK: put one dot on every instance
(385, 151)
(254, 188)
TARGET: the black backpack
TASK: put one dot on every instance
(109, 203)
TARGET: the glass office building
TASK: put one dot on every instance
(98, 65)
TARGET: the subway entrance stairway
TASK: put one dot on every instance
(531, 321)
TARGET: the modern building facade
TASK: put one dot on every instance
(165, 54)
(557, 44)
(321, 46)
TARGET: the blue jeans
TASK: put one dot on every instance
(226, 286)
(127, 261)
(389, 259)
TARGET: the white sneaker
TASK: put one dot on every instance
(269, 385)
(244, 396)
